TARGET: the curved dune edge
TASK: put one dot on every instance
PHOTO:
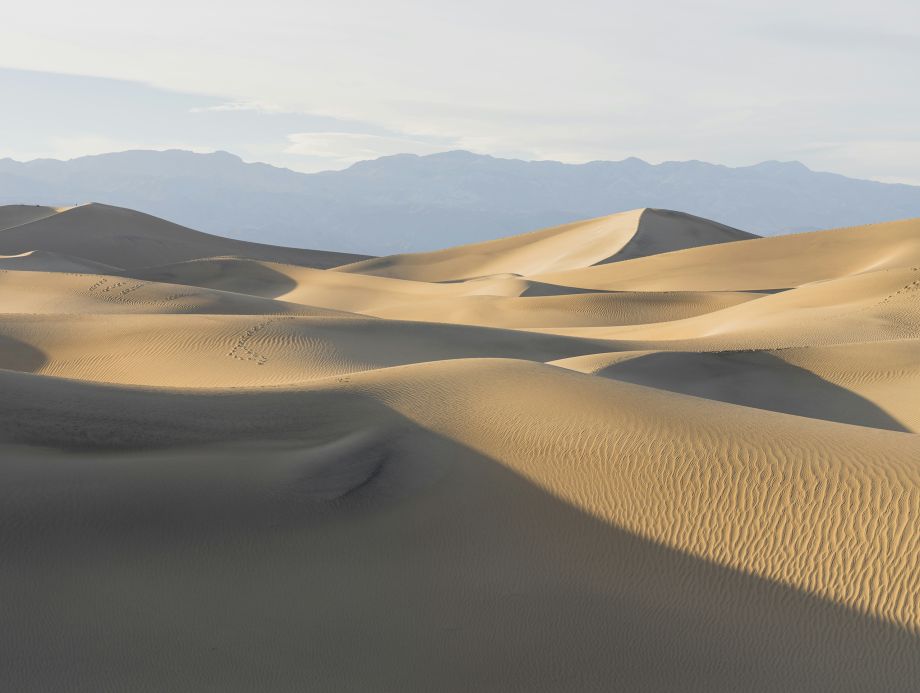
(67, 293)
(214, 350)
(873, 384)
(645, 460)
(122, 237)
(613, 238)
(778, 262)
(12, 216)
(43, 261)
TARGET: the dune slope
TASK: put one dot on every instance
(774, 263)
(16, 215)
(124, 238)
(571, 246)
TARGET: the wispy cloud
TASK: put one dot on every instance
(231, 106)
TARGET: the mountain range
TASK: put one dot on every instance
(407, 203)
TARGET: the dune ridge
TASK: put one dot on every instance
(614, 238)
(124, 238)
(641, 452)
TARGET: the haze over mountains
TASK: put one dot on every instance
(416, 203)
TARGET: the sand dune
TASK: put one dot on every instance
(16, 215)
(871, 384)
(43, 261)
(571, 310)
(595, 457)
(124, 238)
(228, 350)
(314, 287)
(571, 246)
(879, 305)
(778, 262)
(65, 292)
(495, 301)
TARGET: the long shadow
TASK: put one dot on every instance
(544, 289)
(536, 288)
(444, 572)
(16, 355)
(752, 379)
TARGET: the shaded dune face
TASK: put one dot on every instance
(572, 246)
(774, 263)
(640, 452)
(124, 238)
(191, 350)
(230, 274)
(19, 356)
(17, 215)
(757, 379)
(389, 542)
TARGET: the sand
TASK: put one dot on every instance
(614, 238)
(124, 238)
(642, 452)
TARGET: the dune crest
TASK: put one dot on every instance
(645, 451)
(617, 237)
(17, 215)
(124, 238)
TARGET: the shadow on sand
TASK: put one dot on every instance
(752, 379)
(476, 580)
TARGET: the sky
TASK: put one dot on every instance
(319, 84)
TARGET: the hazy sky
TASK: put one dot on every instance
(316, 84)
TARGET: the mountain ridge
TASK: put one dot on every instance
(412, 203)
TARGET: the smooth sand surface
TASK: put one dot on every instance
(617, 237)
(44, 261)
(124, 238)
(641, 452)
(16, 215)
(775, 263)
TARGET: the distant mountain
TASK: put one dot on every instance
(411, 203)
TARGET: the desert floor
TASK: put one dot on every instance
(640, 452)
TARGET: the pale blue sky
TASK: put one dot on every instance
(318, 84)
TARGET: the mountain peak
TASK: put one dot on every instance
(786, 166)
